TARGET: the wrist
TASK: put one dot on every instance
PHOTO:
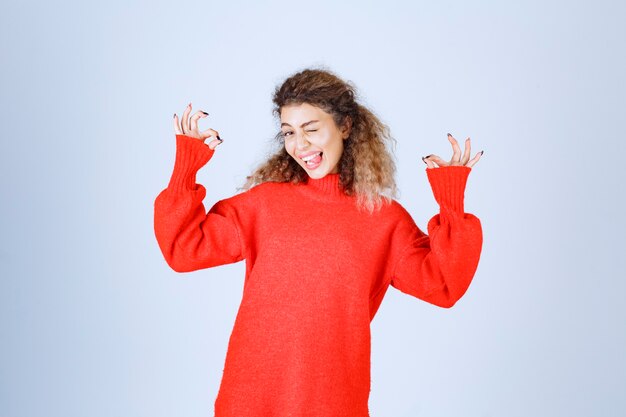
(191, 155)
(448, 185)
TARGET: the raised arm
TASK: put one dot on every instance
(439, 267)
(188, 236)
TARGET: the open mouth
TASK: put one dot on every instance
(313, 160)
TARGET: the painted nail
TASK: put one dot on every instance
(220, 139)
(205, 113)
(481, 153)
(174, 115)
(428, 156)
(424, 160)
(449, 135)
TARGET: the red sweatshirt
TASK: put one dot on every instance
(316, 273)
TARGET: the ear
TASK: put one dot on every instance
(346, 128)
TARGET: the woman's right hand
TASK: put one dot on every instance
(189, 127)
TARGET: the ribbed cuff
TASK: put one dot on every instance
(448, 184)
(191, 155)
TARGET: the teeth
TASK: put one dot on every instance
(308, 158)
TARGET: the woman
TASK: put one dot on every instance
(323, 238)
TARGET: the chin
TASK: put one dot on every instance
(316, 174)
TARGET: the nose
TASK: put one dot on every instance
(301, 142)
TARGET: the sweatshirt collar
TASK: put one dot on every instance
(327, 185)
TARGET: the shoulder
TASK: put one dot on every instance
(250, 198)
(267, 189)
(396, 212)
(390, 216)
(400, 222)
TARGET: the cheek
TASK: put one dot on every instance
(336, 146)
(289, 147)
(327, 141)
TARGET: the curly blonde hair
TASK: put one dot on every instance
(366, 168)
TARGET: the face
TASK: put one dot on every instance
(308, 131)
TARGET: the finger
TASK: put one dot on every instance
(429, 163)
(456, 156)
(186, 118)
(209, 133)
(438, 160)
(214, 143)
(193, 125)
(467, 153)
(475, 159)
(177, 130)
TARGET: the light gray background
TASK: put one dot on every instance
(93, 321)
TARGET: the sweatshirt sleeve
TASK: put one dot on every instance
(438, 267)
(188, 236)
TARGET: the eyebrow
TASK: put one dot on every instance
(302, 125)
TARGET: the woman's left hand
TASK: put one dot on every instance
(433, 161)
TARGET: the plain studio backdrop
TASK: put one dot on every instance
(94, 323)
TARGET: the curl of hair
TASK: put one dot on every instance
(366, 167)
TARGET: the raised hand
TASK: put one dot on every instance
(189, 127)
(433, 161)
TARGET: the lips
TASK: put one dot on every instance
(302, 155)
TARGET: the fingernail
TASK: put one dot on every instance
(428, 156)
(449, 134)
(481, 153)
(205, 113)
(424, 160)
(220, 139)
(174, 115)
(189, 105)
